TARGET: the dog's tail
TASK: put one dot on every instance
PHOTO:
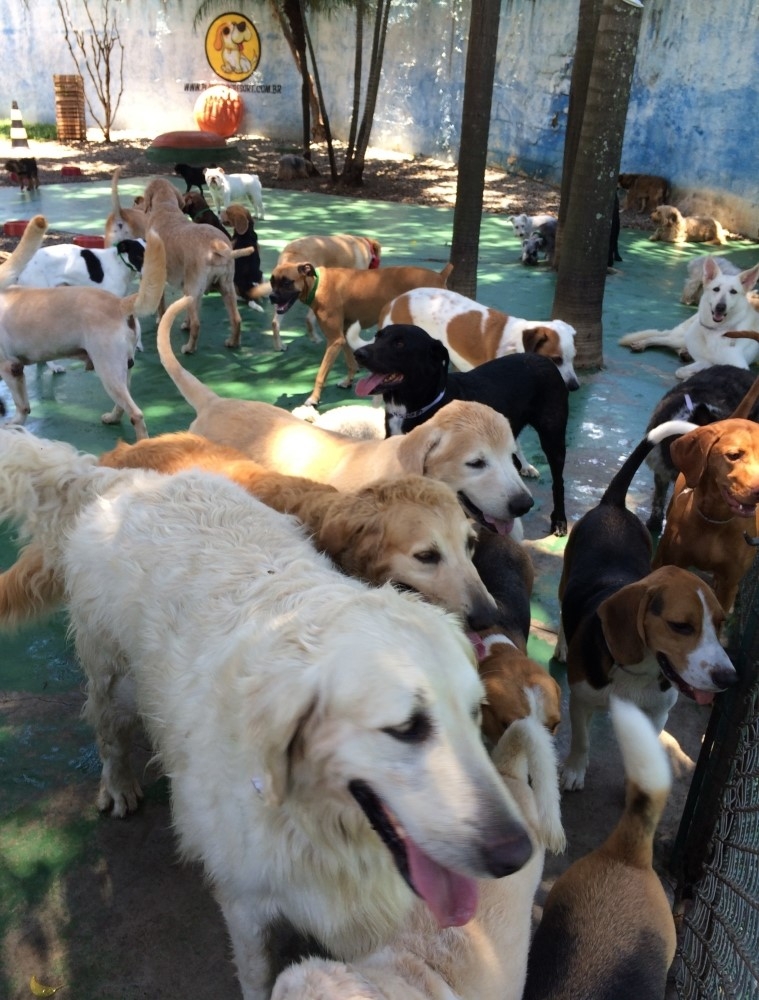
(526, 752)
(30, 242)
(43, 487)
(147, 298)
(746, 405)
(616, 492)
(445, 275)
(649, 779)
(190, 387)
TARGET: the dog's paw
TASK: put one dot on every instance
(559, 529)
(119, 802)
(312, 401)
(255, 306)
(345, 383)
(529, 472)
(56, 369)
(572, 777)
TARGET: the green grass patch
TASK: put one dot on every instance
(43, 133)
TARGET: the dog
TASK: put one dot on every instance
(607, 928)
(248, 275)
(360, 787)
(41, 324)
(709, 395)
(342, 297)
(614, 255)
(195, 205)
(343, 250)
(467, 445)
(113, 269)
(629, 630)
(674, 227)
(714, 503)
(524, 225)
(24, 172)
(230, 39)
(488, 956)
(474, 333)
(123, 223)
(367, 423)
(694, 282)
(197, 256)
(540, 242)
(410, 369)
(644, 191)
(724, 306)
(191, 175)
(226, 188)
(292, 167)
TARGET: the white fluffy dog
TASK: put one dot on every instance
(321, 736)
(226, 188)
(525, 224)
(485, 959)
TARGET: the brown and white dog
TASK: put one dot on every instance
(343, 297)
(674, 227)
(474, 333)
(69, 321)
(712, 520)
(627, 630)
(607, 928)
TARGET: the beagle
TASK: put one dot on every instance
(627, 630)
(607, 928)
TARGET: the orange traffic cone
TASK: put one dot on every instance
(19, 138)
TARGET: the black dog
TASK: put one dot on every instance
(614, 237)
(192, 176)
(410, 370)
(710, 395)
(25, 171)
(196, 206)
(248, 273)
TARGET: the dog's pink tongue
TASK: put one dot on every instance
(452, 898)
(500, 527)
(703, 697)
(366, 386)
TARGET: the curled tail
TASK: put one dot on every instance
(617, 489)
(649, 779)
(30, 242)
(148, 296)
(190, 387)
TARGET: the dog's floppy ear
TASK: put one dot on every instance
(533, 339)
(622, 622)
(416, 446)
(307, 270)
(280, 757)
(691, 451)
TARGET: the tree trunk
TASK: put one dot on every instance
(473, 148)
(587, 216)
(293, 11)
(588, 207)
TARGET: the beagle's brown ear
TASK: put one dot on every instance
(622, 622)
(533, 339)
(690, 452)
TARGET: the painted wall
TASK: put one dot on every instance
(692, 113)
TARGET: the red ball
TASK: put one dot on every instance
(220, 110)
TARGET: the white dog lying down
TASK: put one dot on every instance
(321, 736)
(487, 958)
(114, 269)
(226, 188)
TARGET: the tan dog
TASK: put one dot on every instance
(41, 324)
(674, 227)
(466, 445)
(197, 256)
(474, 334)
(714, 504)
(607, 928)
(343, 250)
(487, 958)
(644, 191)
(124, 223)
(343, 297)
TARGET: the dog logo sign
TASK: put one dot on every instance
(233, 47)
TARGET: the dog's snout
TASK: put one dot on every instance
(724, 677)
(481, 613)
(520, 505)
(508, 853)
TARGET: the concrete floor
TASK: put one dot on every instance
(69, 878)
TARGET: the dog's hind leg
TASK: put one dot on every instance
(249, 944)
(12, 373)
(116, 384)
(229, 297)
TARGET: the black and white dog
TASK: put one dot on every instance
(542, 240)
(410, 370)
(112, 269)
(709, 395)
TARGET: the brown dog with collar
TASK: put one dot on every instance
(341, 297)
(712, 518)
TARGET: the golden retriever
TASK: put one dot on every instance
(486, 959)
(466, 445)
(321, 735)
(674, 227)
